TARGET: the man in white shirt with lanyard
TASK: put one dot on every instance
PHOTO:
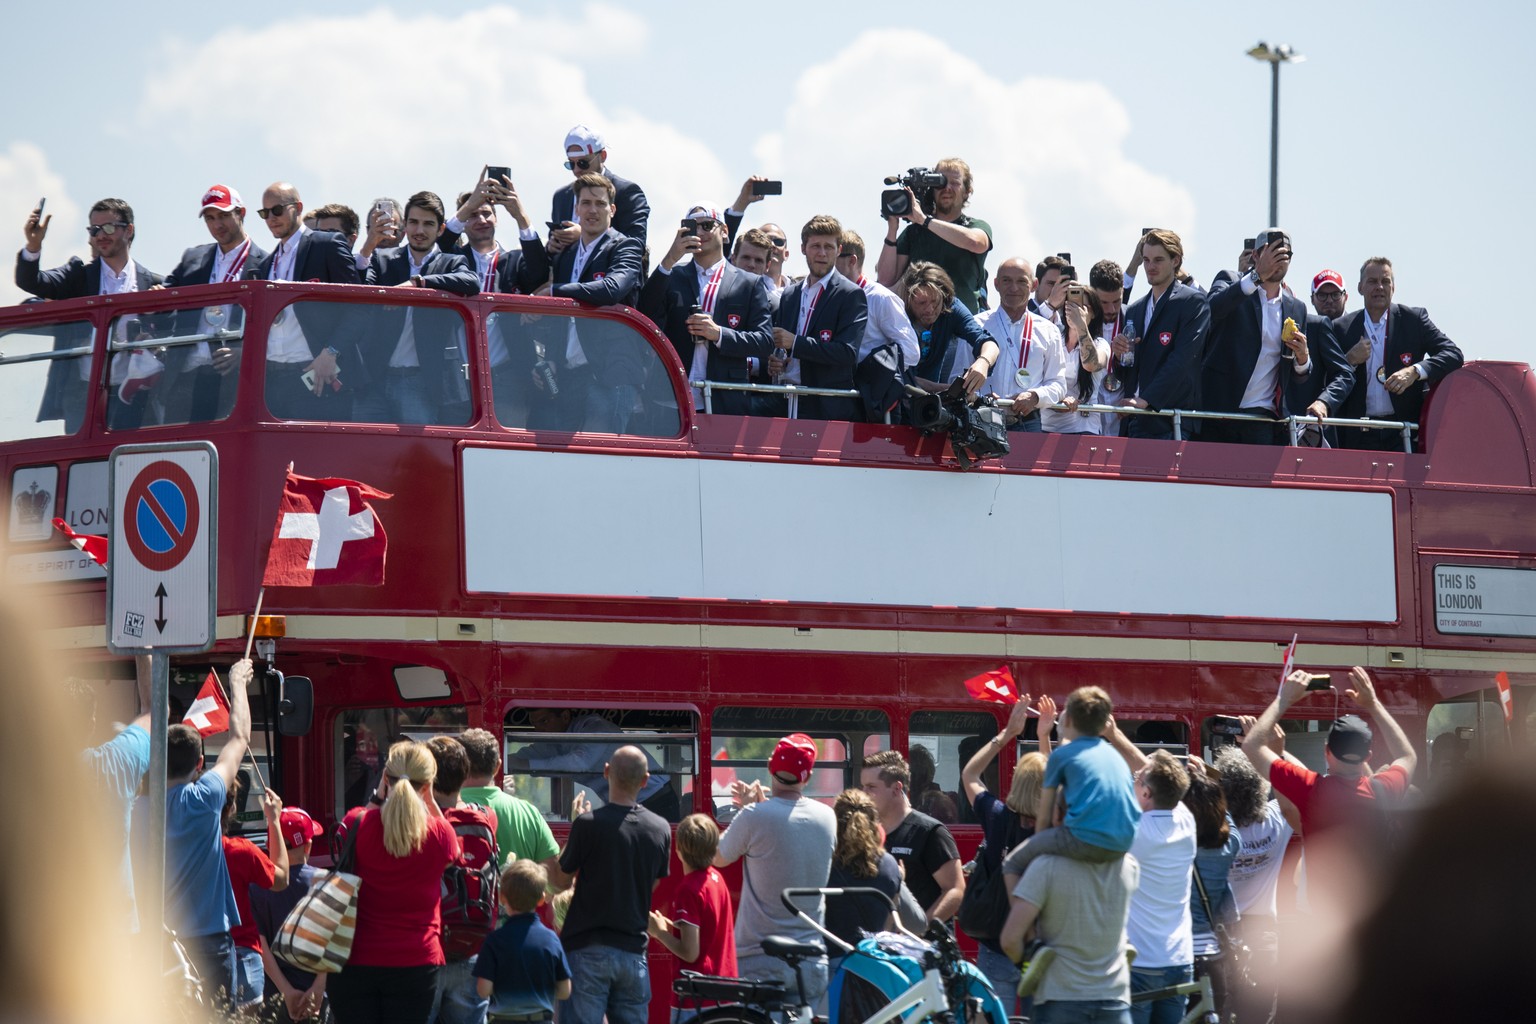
(888, 322)
(1030, 371)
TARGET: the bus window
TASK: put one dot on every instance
(364, 736)
(1458, 734)
(938, 745)
(44, 379)
(549, 765)
(173, 366)
(743, 739)
(578, 374)
(416, 364)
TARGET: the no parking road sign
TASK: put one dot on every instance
(161, 573)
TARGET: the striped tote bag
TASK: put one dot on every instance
(316, 935)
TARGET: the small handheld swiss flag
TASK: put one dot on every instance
(995, 686)
(1290, 658)
(209, 714)
(326, 534)
(1506, 698)
(90, 543)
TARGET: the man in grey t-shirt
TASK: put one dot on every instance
(1079, 910)
(787, 840)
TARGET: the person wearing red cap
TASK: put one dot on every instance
(587, 153)
(1398, 355)
(784, 840)
(1329, 296)
(301, 992)
(715, 315)
(209, 393)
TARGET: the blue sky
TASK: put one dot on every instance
(1401, 133)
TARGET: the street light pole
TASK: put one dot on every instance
(1274, 57)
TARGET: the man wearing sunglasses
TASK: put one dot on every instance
(715, 314)
(317, 340)
(587, 153)
(109, 272)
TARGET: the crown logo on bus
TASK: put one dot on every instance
(32, 505)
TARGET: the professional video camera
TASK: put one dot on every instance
(976, 431)
(921, 180)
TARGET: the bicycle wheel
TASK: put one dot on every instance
(732, 1014)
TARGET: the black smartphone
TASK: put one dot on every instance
(555, 225)
(1066, 256)
(690, 226)
(695, 309)
(1147, 231)
(40, 204)
(498, 174)
(767, 188)
(1250, 243)
(1226, 725)
(1321, 682)
(1069, 272)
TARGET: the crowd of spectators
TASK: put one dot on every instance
(1055, 351)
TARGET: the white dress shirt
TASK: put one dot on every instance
(888, 322)
(1378, 400)
(405, 349)
(1042, 356)
(115, 282)
(1266, 380)
(1057, 422)
(285, 338)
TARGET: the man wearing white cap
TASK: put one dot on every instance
(587, 153)
(716, 315)
(210, 390)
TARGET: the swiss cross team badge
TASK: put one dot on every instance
(1407, 358)
(825, 336)
(1166, 338)
(598, 275)
(733, 320)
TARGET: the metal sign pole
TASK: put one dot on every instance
(152, 908)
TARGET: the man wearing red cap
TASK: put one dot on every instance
(1328, 294)
(715, 315)
(587, 153)
(784, 840)
(209, 392)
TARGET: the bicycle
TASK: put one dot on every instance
(1202, 1012)
(948, 980)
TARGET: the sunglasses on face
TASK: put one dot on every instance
(779, 243)
(109, 229)
(584, 164)
(272, 211)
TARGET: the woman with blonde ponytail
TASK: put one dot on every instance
(403, 844)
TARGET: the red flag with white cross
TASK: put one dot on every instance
(995, 686)
(1506, 698)
(326, 534)
(208, 714)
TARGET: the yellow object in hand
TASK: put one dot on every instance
(1288, 329)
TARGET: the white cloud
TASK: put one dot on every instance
(385, 103)
(25, 177)
(1046, 154)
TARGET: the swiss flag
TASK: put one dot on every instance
(90, 543)
(326, 534)
(209, 714)
(1289, 659)
(1505, 697)
(995, 686)
(144, 372)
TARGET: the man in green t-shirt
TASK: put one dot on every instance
(947, 236)
(520, 829)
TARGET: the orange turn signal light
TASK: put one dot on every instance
(266, 626)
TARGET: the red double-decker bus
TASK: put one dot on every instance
(708, 583)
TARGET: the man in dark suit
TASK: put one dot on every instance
(200, 378)
(587, 153)
(110, 272)
(819, 326)
(1251, 366)
(311, 344)
(716, 315)
(1172, 321)
(600, 371)
(415, 356)
(1398, 355)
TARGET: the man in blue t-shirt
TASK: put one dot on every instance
(1102, 810)
(199, 903)
(119, 765)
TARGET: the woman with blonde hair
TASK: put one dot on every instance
(1006, 823)
(402, 845)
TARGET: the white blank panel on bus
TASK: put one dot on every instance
(701, 528)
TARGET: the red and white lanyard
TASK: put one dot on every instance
(707, 304)
(238, 263)
(805, 321)
(861, 280)
(1114, 332)
(488, 284)
(1026, 340)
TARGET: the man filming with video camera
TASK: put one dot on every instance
(938, 231)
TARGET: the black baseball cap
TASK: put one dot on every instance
(1349, 739)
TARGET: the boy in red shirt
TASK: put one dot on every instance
(249, 866)
(702, 930)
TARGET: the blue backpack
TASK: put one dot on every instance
(872, 975)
